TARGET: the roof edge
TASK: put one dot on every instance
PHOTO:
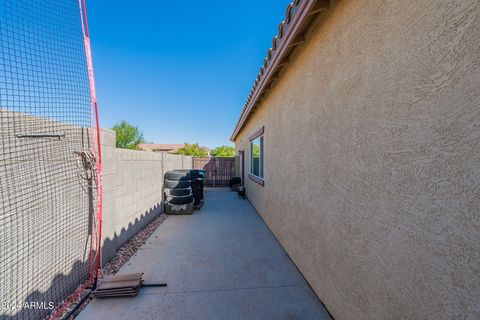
(299, 15)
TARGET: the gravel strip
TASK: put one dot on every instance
(121, 257)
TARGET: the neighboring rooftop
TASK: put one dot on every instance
(159, 147)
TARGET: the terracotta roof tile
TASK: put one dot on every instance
(298, 15)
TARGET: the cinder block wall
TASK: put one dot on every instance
(132, 190)
(372, 159)
(44, 211)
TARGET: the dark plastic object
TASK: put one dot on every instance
(235, 181)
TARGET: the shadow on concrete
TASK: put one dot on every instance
(65, 284)
(111, 245)
(61, 286)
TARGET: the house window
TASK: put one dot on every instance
(256, 157)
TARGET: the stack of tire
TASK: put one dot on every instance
(178, 196)
(196, 183)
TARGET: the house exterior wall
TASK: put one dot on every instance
(372, 159)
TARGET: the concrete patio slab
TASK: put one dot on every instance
(220, 263)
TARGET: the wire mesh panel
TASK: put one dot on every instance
(48, 191)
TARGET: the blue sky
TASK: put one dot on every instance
(179, 70)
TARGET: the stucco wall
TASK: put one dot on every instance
(372, 159)
(132, 190)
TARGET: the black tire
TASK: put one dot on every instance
(172, 184)
(181, 200)
(178, 192)
(194, 173)
(178, 176)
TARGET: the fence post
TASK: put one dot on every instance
(214, 171)
(163, 166)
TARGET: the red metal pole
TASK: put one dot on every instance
(94, 265)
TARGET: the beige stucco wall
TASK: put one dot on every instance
(372, 159)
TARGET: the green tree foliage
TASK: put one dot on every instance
(128, 136)
(223, 152)
(193, 149)
(256, 150)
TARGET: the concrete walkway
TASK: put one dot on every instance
(220, 263)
